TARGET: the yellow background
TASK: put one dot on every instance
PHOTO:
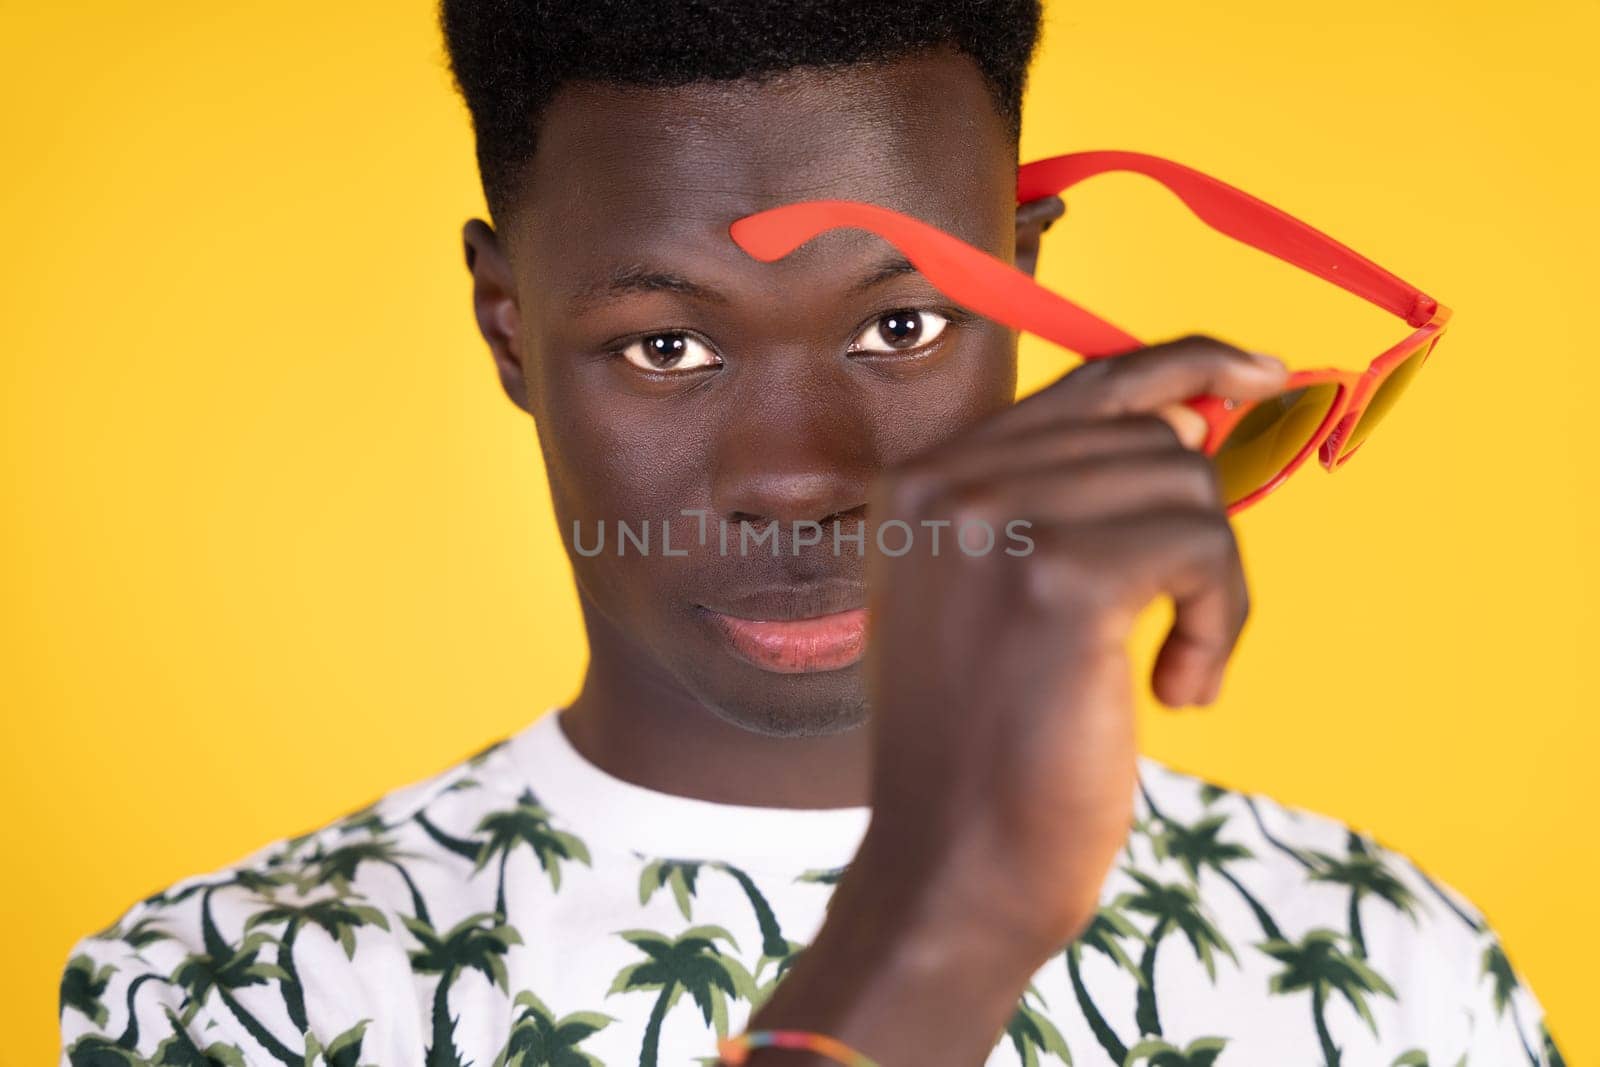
(275, 542)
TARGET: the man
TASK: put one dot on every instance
(932, 839)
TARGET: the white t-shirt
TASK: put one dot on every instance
(527, 903)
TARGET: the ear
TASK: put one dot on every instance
(1033, 218)
(494, 301)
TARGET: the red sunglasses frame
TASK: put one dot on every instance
(998, 290)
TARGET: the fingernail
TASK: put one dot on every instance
(1190, 425)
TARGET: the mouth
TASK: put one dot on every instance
(788, 630)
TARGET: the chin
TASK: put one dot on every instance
(794, 705)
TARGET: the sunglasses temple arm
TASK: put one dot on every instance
(1243, 217)
(967, 274)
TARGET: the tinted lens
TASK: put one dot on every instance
(1269, 436)
(1384, 398)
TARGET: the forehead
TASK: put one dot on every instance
(628, 175)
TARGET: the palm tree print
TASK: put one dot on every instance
(539, 1039)
(365, 820)
(785, 962)
(677, 875)
(336, 916)
(342, 1051)
(1551, 1053)
(773, 942)
(95, 1049)
(1473, 923)
(1277, 843)
(1200, 847)
(1105, 934)
(1366, 875)
(1032, 1033)
(82, 986)
(1318, 963)
(527, 824)
(223, 968)
(218, 969)
(1497, 968)
(690, 963)
(286, 855)
(1173, 906)
(1155, 1052)
(827, 876)
(264, 882)
(137, 936)
(337, 867)
(467, 850)
(680, 876)
(178, 1049)
(479, 943)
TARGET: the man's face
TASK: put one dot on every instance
(771, 392)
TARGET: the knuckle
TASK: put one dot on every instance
(1212, 537)
(1201, 473)
(1153, 428)
(1036, 583)
(1053, 577)
(1221, 541)
(1083, 381)
(970, 504)
(1211, 350)
(1204, 342)
(1067, 575)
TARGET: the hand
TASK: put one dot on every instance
(1004, 750)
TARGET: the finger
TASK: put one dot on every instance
(1187, 553)
(1170, 373)
(1086, 489)
(1208, 618)
(1190, 426)
(1148, 380)
(1034, 448)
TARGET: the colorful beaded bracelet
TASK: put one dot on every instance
(734, 1050)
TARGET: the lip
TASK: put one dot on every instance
(796, 646)
(794, 629)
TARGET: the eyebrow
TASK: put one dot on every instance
(641, 278)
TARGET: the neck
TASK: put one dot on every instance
(638, 723)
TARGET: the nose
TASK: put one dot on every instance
(794, 450)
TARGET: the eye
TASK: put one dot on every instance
(669, 353)
(901, 331)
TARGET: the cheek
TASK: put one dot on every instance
(610, 456)
(966, 391)
(603, 473)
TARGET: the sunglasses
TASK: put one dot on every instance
(1254, 444)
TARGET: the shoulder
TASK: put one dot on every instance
(1425, 942)
(304, 945)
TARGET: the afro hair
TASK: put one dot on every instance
(508, 57)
